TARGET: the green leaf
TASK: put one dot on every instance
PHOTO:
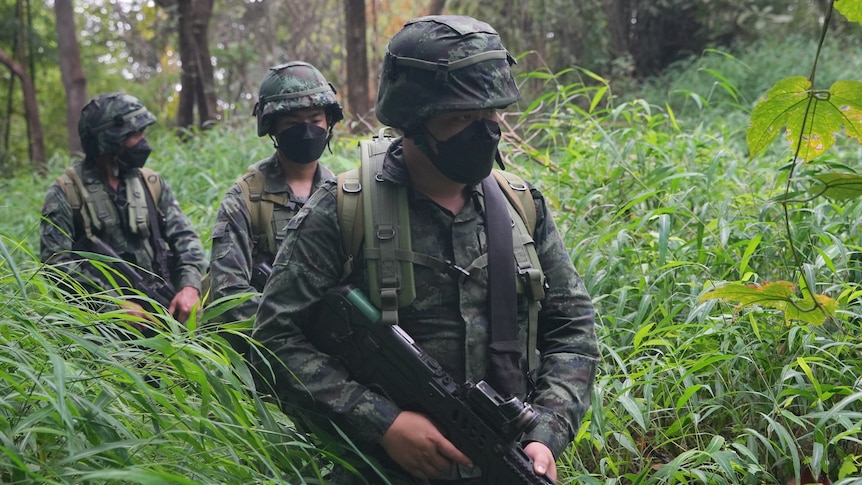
(852, 9)
(848, 468)
(772, 111)
(845, 97)
(838, 186)
(812, 118)
(765, 295)
(780, 295)
(806, 311)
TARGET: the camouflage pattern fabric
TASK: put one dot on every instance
(236, 250)
(448, 317)
(59, 230)
(108, 119)
(291, 86)
(443, 63)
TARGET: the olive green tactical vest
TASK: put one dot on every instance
(99, 214)
(377, 213)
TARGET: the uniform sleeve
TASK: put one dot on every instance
(189, 264)
(231, 257)
(57, 228)
(308, 263)
(566, 341)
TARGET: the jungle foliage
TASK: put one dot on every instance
(702, 242)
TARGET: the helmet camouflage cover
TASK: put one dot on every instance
(291, 86)
(443, 63)
(108, 119)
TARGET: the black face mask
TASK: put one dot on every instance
(468, 156)
(134, 156)
(302, 143)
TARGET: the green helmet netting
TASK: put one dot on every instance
(443, 63)
(108, 119)
(291, 86)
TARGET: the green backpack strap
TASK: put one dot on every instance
(154, 185)
(523, 213)
(259, 207)
(519, 195)
(386, 224)
(349, 207)
(72, 185)
(377, 215)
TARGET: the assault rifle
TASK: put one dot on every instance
(475, 418)
(156, 288)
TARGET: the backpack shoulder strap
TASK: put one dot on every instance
(531, 276)
(73, 187)
(259, 209)
(376, 212)
(519, 196)
(349, 208)
(154, 185)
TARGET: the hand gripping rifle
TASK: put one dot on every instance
(156, 288)
(474, 417)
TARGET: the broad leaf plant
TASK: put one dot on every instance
(811, 119)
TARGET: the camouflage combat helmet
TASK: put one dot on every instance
(291, 86)
(443, 63)
(108, 119)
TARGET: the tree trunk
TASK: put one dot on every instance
(72, 74)
(619, 17)
(205, 92)
(31, 112)
(358, 98)
(435, 7)
(196, 78)
(189, 69)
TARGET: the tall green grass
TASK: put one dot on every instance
(84, 398)
(658, 203)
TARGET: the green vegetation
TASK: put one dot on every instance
(659, 203)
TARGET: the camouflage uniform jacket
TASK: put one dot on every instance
(61, 227)
(448, 318)
(236, 250)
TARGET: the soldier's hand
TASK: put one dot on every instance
(415, 443)
(184, 302)
(140, 315)
(543, 459)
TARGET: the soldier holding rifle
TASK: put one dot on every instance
(442, 82)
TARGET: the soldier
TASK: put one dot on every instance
(111, 198)
(442, 82)
(297, 109)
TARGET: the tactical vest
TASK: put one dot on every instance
(99, 214)
(377, 212)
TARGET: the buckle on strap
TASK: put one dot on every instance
(535, 281)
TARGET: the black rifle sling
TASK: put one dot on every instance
(505, 375)
(156, 241)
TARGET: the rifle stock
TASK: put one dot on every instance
(158, 289)
(475, 418)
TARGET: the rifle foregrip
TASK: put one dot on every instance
(520, 465)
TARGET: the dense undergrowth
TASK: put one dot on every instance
(658, 202)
